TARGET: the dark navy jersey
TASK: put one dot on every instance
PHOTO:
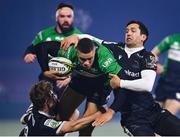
(127, 100)
(40, 124)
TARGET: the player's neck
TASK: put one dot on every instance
(58, 29)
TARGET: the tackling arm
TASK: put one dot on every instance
(71, 126)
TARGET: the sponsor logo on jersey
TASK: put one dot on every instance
(120, 56)
(52, 123)
(59, 38)
(139, 55)
(107, 62)
(132, 74)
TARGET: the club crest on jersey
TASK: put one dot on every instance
(52, 123)
(152, 62)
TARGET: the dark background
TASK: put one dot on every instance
(21, 20)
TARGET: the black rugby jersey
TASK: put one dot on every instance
(41, 124)
(127, 100)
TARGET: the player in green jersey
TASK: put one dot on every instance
(64, 28)
(168, 88)
(93, 62)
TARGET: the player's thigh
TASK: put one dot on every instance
(168, 125)
(172, 105)
(68, 102)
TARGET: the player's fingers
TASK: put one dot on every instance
(75, 44)
(32, 58)
(62, 43)
(111, 75)
(58, 83)
(66, 45)
(29, 59)
(97, 122)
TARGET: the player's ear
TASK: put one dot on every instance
(144, 37)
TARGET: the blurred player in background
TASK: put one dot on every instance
(64, 28)
(168, 89)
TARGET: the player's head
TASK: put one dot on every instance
(136, 34)
(86, 52)
(65, 16)
(41, 95)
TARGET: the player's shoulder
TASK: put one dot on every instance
(48, 43)
(48, 30)
(174, 35)
(148, 57)
(77, 31)
(146, 53)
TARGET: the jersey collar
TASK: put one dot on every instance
(130, 51)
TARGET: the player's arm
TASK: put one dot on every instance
(62, 81)
(107, 62)
(145, 83)
(54, 75)
(119, 98)
(25, 117)
(104, 118)
(29, 54)
(73, 39)
(71, 126)
(163, 46)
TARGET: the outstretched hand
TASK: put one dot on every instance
(30, 58)
(160, 69)
(104, 118)
(67, 41)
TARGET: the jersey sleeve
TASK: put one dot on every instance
(53, 127)
(107, 62)
(70, 54)
(37, 39)
(149, 62)
(164, 45)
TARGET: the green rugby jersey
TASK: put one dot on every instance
(50, 34)
(172, 45)
(104, 60)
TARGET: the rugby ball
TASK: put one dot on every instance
(60, 64)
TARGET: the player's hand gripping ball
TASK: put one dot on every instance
(61, 65)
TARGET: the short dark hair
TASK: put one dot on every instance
(61, 5)
(85, 45)
(142, 27)
(40, 93)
